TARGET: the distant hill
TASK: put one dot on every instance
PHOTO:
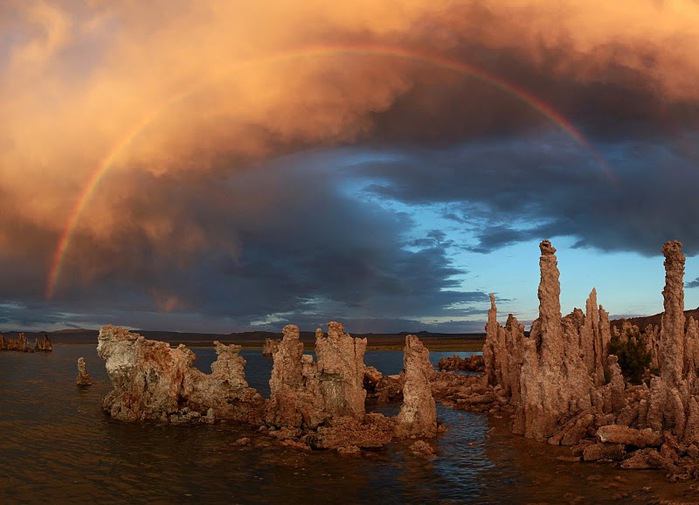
(247, 338)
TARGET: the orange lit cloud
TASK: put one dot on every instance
(149, 99)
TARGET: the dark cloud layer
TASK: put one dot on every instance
(265, 169)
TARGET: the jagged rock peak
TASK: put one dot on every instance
(151, 380)
(546, 248)
(83, 378)
(673, 319)
(418, 414)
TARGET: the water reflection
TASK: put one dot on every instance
(57, 445)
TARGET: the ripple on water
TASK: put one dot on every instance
(58, 446)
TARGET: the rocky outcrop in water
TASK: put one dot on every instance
(43, 344)
(382, 388)
(296, 399)
(304, 393)
(571, 391)
(312, 404)
(418, 414)
(269, 347)
(555, 384)
(153, 381)
(20, 344)
(83, 378)
(473, 363)
(322, 404)
(341, 371)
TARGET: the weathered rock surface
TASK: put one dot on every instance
(83, 378)
(595, 452)
(152, 381)
(555, 384)
(305, 394)
(618, 434)
(418, 414)
(341, 371)
(322, 404)
(647, 459)
(43, 344)
(473, 363)
(312, 405)
(20, 344)
(270, 347)
(296, 398)
(382, 388)
(570, 389)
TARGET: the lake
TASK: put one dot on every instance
(56, 445)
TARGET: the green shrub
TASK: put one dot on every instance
(633, 353)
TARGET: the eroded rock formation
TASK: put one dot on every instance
(555, 383)
(572, 392)
(312, 404)
(341, 371)
(153, 381)
(418, 414)
(20, 344)
(473, 363)
(270, 347)
(83, 378)
(43, 344)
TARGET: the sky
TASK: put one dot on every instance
(219, 166)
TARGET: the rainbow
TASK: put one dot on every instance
(438, 61)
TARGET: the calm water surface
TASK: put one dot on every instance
(57, 446)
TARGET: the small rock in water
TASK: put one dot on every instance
(422, 448)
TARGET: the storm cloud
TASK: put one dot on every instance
(234, 164)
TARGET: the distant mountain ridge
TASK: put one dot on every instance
(86, 336)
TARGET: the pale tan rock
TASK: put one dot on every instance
(43, 344)
(503, 353)
(647, 459)
(555, 384)
(422, 448)
(595, 452)
(656, 404)
(691, 432)
(576, 430)
(83, 378)
(341, 370)
(270, 347)
(618, 434)
(22, 342)
(672, 326)
(691, 352)
(286, 403)
(153, 381)
(349, 450)
(616, 385)
(375, 430)
(418, 413)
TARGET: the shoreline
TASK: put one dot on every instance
(438, 345)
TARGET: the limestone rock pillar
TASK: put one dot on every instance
(418, 414)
